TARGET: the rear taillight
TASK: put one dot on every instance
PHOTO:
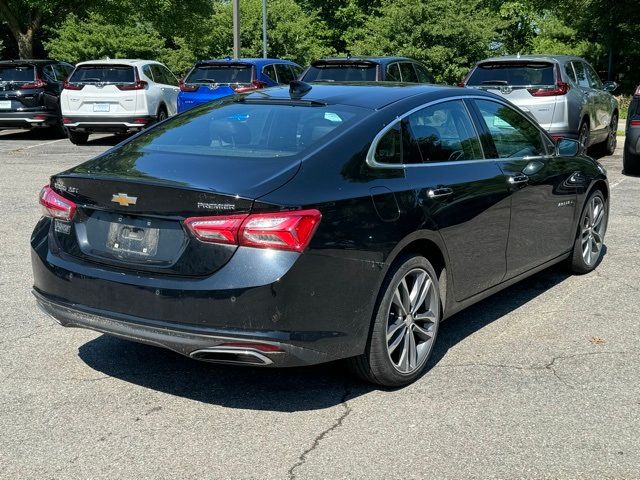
(139, 85)
(38, 83)
(635, 123)
(56, 206)
(72, 86)
(637, 92)
(282, 230)
(188, 87)
(255, 85)
(560, 88)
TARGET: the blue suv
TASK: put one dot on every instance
(212, 79)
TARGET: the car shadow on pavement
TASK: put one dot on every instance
(291, 389)
(106, 140)
(36, 134)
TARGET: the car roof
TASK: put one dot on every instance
(252, 61)
(372, 95)
(28, 62)
(380, 59)
(515, 58)
(119, 61)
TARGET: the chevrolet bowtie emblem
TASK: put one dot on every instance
(123, 199)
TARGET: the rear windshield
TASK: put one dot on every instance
(514, 74)
(233, 129)
(341, 73)
(103, 74)
(220, 74)
(22, 73)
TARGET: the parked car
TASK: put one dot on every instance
(367, 69)
(117, 96)
(298, 226)
(212, 79)
(631, 154)
(30, 93)
(563, 93)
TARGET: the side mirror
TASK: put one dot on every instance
(566, 147)
(610, 86)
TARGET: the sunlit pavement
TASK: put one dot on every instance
(539, 381)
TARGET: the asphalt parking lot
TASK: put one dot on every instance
(539, 381)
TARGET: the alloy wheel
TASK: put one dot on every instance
(612, 139)
(412, 321)
(594, 225)
(583, 137)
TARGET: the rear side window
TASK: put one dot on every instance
(250, 130)
(103, 74)
(393, 73)
(270, 71)
(344, 72)
(594, 79)
(513, 74)
(570, 73)
(61, 72)
(423, 75)
(220, 74)
(20, 73)
(408, 73)
(581, 75)
(285, 73)
(513, 135)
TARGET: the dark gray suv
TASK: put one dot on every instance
(563, 93)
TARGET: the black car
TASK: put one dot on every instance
(298, 226)
(367, 69)
(631, 155)
(30, 93)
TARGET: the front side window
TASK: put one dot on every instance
(408, 73)
(393, 73)
(285, 73)
(443, 133)
(514, 136)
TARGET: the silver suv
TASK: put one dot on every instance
(564, 94)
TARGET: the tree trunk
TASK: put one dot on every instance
(25, 44)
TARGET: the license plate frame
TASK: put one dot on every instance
(5, 104)
(132, 240)
(101, 107)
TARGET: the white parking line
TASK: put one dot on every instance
(614, 185)
(37, 145)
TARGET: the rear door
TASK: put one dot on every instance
(105, 90)
(456, 190)
(602, 100)
(589, 96)
(543, 198)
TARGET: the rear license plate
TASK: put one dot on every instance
(5, 104)
(132, 239)
(100, 107)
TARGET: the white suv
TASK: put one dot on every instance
(116, 96)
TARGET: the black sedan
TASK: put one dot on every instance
(631, 154)
(301, 225)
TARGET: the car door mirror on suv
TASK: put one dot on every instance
(566, 147)
(610, 86)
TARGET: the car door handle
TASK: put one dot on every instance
(439, 192)
(519, 179)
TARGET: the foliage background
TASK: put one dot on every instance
(449, 36)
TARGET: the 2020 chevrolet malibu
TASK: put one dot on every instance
(300, 225)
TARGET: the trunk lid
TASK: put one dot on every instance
(12, 80)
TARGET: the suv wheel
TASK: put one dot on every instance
(583, 136)
(405, 325)
(78, 138)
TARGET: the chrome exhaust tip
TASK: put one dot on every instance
(238, 356)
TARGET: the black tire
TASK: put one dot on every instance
(583, 136)
(162, 115)
(78, 138)
(375, 365)
(608, 147)
(577, 262)
(630, 162)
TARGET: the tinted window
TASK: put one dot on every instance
(169, 78)
(21, 73)
(220, 74)
(158, 76)
(285, 73)
(62, 72)
(443, 133)
(581, 75)
(389, 148)
(423, 75)
(594, 79)
(569, 71)
(512, 73)
(103, 74)
(147, 71)
(408, 73)
(513, 135)
(297, 71)
(247, 130)
(393, 73)
(269, 71)
(345, 72)
(48, 72)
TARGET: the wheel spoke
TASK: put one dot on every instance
(397, 300)
(397, 341)
(423, 332)
(393, 328)
(416, 290)
(405, 295)
(403, 362)
(425, 316)
(424, 291)
(599, 217)
(413, 351)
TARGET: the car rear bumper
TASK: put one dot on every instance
(106, 123)
(632, 142)
(27, 119)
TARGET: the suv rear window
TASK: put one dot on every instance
(341, 72)
(251, 130)
(103, 74)
(220, 74)
(515, 74)
(19, 73)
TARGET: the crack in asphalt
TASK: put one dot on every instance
(316, 441)
(550, 366)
